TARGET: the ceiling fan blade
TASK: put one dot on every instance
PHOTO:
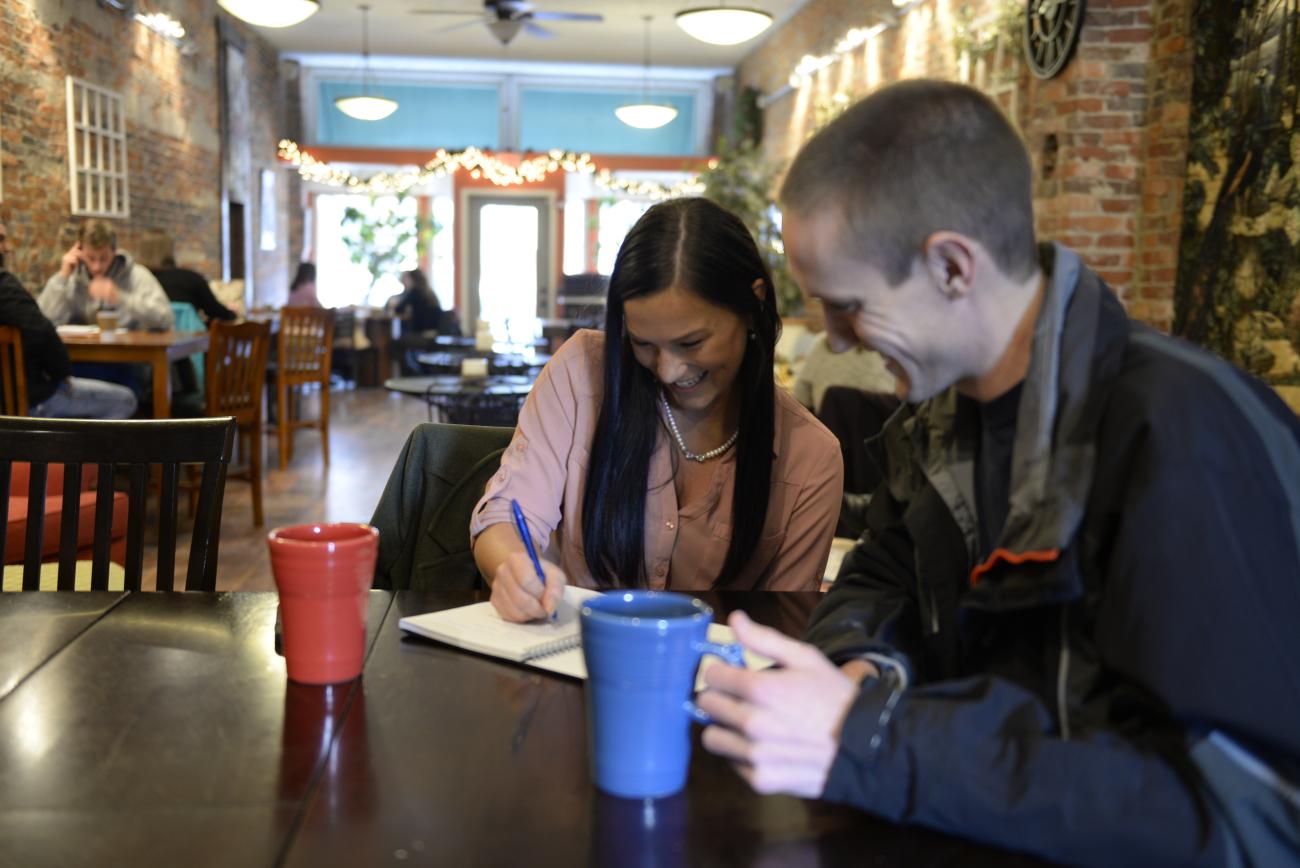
(461, 26)
(538, 30)
(567, 16)
(509, 8)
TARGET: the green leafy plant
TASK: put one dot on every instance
(382, 238)
(742, 181)
(1005, 25)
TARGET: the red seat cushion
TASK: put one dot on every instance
(16, 533)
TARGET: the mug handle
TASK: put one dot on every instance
(733, 654)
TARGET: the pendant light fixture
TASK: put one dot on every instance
(365, 107)
(271, 13)
(723, 25)
(646, 115)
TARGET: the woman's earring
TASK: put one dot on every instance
(753, 335)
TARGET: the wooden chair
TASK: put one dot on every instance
(13, 388)
(235, 376)
(111, 444)
(304, 345)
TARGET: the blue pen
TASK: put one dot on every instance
(522, 527)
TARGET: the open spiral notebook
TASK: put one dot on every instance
(555, 647)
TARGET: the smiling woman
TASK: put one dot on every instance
(661, 454)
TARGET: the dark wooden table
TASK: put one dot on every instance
(155, 349)
(490, 400)
(159, 729)
(508, 363)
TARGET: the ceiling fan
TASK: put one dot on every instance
(505, 18)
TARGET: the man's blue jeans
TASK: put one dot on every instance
(79, 398)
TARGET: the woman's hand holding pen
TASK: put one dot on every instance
(518, 595)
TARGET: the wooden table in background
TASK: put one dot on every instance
(159, 729)
(155, 349)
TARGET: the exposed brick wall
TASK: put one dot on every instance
(171, 104)
(1118, 114)
(1169, 85)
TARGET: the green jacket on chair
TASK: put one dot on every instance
(423, 515)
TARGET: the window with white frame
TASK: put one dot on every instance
(97, 169)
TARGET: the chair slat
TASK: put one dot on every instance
(6, 478)
(36, 473)
(71, 518)
(203, 553)
(167, 525)
(12, 374)
(103, 529)
(135, 521)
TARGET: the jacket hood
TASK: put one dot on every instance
(119, 270)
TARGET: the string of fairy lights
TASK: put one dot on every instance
(482, 164)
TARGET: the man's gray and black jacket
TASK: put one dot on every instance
(1118, 681)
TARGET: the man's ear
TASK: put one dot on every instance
(949, 258)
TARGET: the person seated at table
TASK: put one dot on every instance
(302, 291)
(158, 254)
(827, 366)
(418, 308)
(94, 275)
(660, 453)
(420, 313)
(1073, 624)
(52, 391)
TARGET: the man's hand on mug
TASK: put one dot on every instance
(779, 727)
(104, 290)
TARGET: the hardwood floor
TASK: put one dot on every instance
(367, 430)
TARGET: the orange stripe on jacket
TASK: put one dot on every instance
(1045, 557)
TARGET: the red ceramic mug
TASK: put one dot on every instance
(323, 573)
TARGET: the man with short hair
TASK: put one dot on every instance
(1073, 624)
(95, 275)
(52, 391)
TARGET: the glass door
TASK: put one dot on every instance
(509, 258)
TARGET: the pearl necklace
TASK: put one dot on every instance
(681, 444)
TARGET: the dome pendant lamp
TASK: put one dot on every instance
(271, 13)
(723, 25)
(646, 115)
(365, 107)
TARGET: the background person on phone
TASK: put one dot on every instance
(51, 390)
(94, 275)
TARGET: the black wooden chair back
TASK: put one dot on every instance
(13, 378)
(110, 445)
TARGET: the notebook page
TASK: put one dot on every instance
(478, 627)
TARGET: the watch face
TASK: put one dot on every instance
(1051, 32)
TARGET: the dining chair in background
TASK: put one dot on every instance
(107, 446)
(236, 376)
(303, 350)
(423, 515)
(349, 355)
(13, 389)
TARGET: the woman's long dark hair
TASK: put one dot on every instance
(700, 247)
(419, 284)
(306, 273)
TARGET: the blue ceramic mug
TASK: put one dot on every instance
(642, 649)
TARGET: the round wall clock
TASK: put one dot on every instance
(1051, 32)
